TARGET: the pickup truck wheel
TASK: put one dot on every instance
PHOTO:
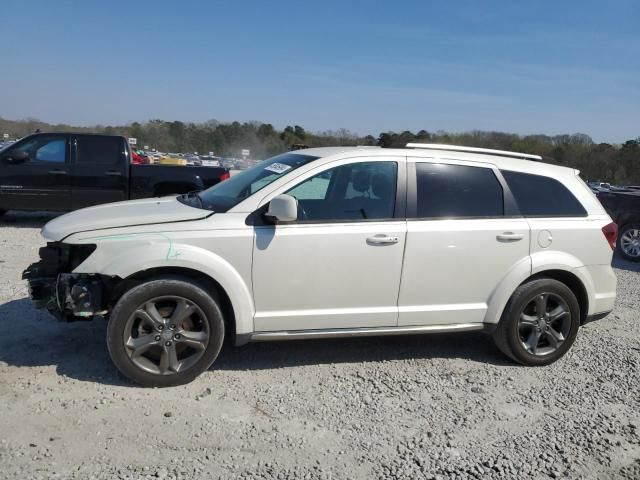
(628, 244)
(2, 212)
(539, 323)
(165, 332)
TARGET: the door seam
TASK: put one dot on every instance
(404, 250)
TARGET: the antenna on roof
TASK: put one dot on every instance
(486, 151)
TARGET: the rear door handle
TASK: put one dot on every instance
(509, 237)
(57, 172)
(113, 173)
(382, 239)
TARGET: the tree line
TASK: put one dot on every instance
(618, 164)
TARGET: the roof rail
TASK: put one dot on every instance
(486, 151)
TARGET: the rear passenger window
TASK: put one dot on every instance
(539, 196)
(457, 191)
(98, 150)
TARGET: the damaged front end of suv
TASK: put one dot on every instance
(66, 295)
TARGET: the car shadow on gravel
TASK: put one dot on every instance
(16, 219)
(33, 338)
(473, 346)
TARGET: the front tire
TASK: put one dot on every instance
(165, 332)
(539, 323)
(628, 244)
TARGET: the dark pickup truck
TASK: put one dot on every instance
(67, 171)
(624, 209)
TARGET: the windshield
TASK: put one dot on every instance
(228, 194)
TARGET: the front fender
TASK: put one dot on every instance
(113, 258)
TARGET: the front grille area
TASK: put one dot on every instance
(42, 276)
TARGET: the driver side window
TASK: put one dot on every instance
(357, 191)
(47, 149)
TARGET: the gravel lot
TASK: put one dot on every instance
(443, 406)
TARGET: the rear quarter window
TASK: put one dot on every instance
(540, 196)
(98, 150)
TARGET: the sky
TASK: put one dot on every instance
(547, 67)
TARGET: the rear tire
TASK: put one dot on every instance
(628, 244)
(2, 212)
(539, 323)
(165, 332)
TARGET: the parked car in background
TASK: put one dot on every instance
(599, 186)
(67, 171)
(624, 208)
(338, 242)
(192, 160)
(209, 161)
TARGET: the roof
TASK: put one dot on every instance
(511, 162)
(78, 134)
(322, 152)
(484, 151)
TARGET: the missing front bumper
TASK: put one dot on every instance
(68, 296)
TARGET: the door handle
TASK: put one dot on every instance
(57, 172)
(113, 173)
(382, 239)
(509, 237)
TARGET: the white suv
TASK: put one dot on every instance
(333, 242)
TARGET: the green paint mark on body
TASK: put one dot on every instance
(170, 253)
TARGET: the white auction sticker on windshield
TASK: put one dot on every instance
(277, 168)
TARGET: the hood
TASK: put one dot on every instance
(122, 214)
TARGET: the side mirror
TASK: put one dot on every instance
(16, 157)
(283, 208)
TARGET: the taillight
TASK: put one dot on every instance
(610, 232)
(225, 176)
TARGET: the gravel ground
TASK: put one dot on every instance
(443, 406)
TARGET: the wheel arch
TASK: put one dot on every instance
(206, 282)
(567, 272)
(572, 281)
(160, 256)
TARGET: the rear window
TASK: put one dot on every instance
(457, 191)
(98, 150)
(539, 196)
